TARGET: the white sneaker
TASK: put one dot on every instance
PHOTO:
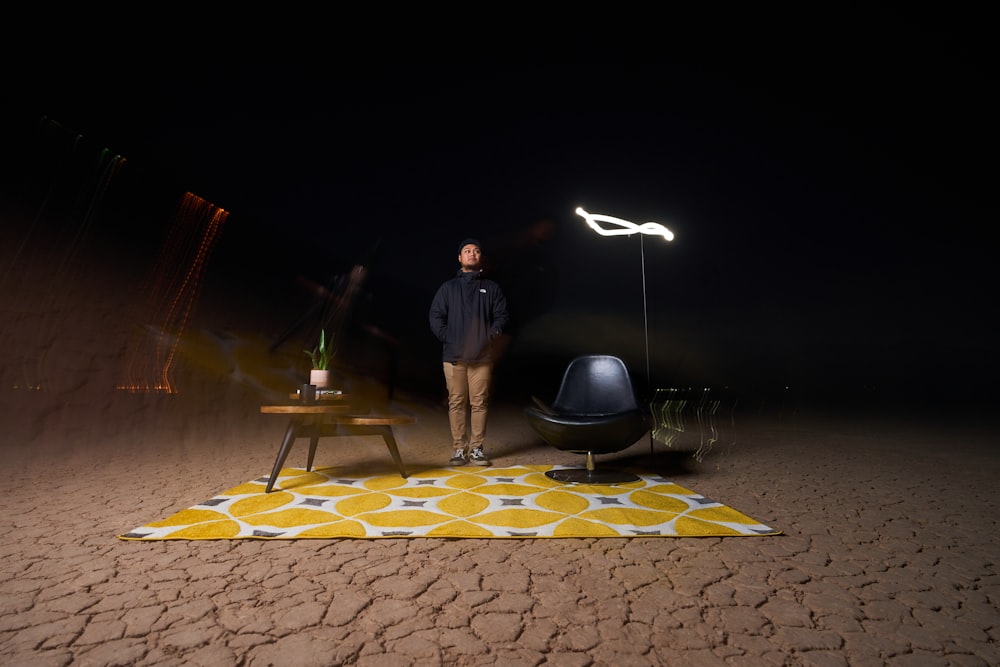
(459, 458)
(478, 457)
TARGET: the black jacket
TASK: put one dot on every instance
(467, 312)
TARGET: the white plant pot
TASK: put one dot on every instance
(319, 378)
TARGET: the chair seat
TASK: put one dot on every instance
(597, 434)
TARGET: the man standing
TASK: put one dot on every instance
(467, 313)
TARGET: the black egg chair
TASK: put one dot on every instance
(595, 412)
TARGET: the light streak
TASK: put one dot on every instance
(168, 300)
(627, 228)
(673, 408)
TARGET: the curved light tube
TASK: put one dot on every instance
(627, 228)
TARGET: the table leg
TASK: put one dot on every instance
(313, 441)
(286, 446)
(390, 442)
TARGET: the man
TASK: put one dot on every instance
(467, 313)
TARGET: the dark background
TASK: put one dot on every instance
(829, 177)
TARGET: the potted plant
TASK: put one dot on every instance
(320, 357)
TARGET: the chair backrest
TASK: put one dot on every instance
(596, 384)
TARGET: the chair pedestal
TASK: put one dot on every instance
(590, 475)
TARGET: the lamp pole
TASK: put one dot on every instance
(645, 318)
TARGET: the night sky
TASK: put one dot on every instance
(829, 180)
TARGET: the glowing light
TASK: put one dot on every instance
(627, 228)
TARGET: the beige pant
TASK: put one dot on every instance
(468, 402)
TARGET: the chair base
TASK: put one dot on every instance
(584, 476)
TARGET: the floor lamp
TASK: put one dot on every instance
(626, 228)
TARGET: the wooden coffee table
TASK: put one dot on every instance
(324, 419)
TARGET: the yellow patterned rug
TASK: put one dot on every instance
(515, 502)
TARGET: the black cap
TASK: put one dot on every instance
(466, 242)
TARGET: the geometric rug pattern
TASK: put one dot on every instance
(517, 502)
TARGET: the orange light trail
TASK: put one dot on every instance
(174, 284)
